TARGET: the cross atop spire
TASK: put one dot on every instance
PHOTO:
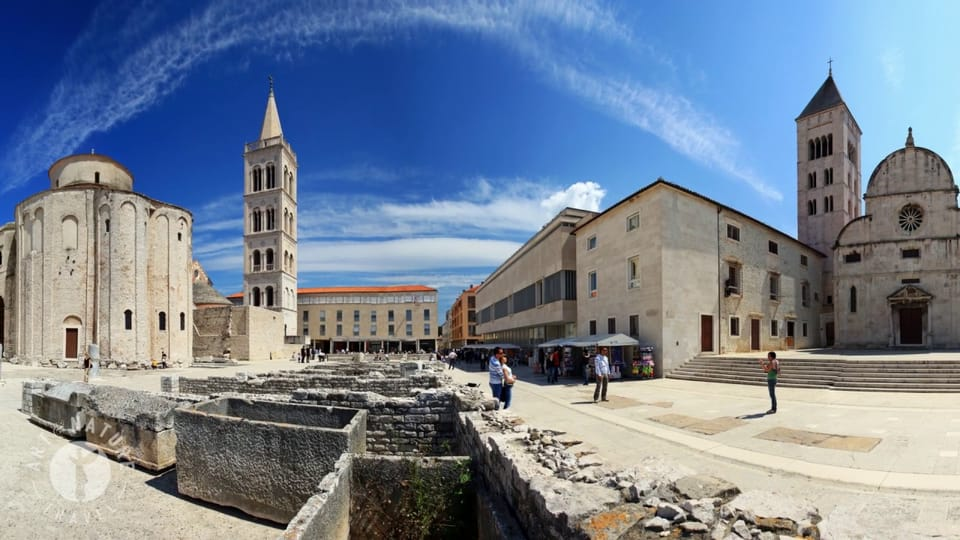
(829, 69)
(909, 137)
(271, 118)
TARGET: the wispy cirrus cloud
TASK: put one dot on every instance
(893, 67)
(140, 68)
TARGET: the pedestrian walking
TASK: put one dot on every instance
(602, 372)
(554, 366)
(586, 367)
(771, 366)
(496, 374)
(506, 391)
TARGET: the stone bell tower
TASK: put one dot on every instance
(270, 220)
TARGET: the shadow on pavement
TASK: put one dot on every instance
(167, 483)
(753, 416)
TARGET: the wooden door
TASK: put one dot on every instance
(911, 326)
(706, 333)
(71, 348)
(829, 331)
(754, 334)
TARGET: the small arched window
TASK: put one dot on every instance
(830, 144)
(257, 220)
(256, 260)
(269, 296)
(853, 299)
(810, 150)
(163, 321)
(819, 150)
(255, 296)
(128, 320)
(257, 179)
(183, 321)
(269, 260)
(271, 176)
(271, 219)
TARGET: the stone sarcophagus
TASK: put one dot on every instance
(131, 425)
(263, 457)
(58, 407)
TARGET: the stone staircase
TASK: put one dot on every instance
(886, 375)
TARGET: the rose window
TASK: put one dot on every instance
(911, 217)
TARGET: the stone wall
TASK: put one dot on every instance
(287, 383)
(248, 332)
(327, 514)
(421, 425)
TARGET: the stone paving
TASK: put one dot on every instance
(907, 485)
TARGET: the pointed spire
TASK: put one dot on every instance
(909, 137)
(271, 118)
(827, 97)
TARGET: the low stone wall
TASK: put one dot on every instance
(265, 458)
(421, 425)
(326, 515)
(553, 492)
(287, 383)
(132, 425)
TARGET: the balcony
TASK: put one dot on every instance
(256, 268)
(272, 141)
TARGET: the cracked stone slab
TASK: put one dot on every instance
(820, 440)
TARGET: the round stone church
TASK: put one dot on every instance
(91, 261)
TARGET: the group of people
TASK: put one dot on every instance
(307, 354)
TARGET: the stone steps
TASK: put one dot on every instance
(865, 375)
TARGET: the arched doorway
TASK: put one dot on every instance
(71, 337)
(909, 316)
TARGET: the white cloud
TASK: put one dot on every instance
(95, 96)
(402, 254)
(893, 67)
(582, 195)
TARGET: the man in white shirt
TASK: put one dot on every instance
(602, 371)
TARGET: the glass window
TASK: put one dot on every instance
(593, 328)
(409, 315)
(592, 283)
(339, 315)
(772, 247)
(373, 316)
(322, 315)
(611, 325)
(635, 326)
(390, 331)
(409, 329)
(633, 272)
(323, 329)
(734, 326)
(633, 221)
(426, 314)
(733, 232)
(339, 329)
(803, 260)
(774, 286)
(390, 315)
(592, 242)
(774, 328)
(306, 316)
(356, 329)
(356, 315)
(426, 329)
(128, 320)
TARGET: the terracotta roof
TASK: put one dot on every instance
(827, 97)
(358, 290)
(385, 289)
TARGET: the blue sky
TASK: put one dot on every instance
(435, 137)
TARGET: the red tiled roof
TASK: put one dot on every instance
(358, 290)
(385, 289)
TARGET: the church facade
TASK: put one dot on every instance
(892, 278)
(90, 261)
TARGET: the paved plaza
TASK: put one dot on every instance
(877, 465)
